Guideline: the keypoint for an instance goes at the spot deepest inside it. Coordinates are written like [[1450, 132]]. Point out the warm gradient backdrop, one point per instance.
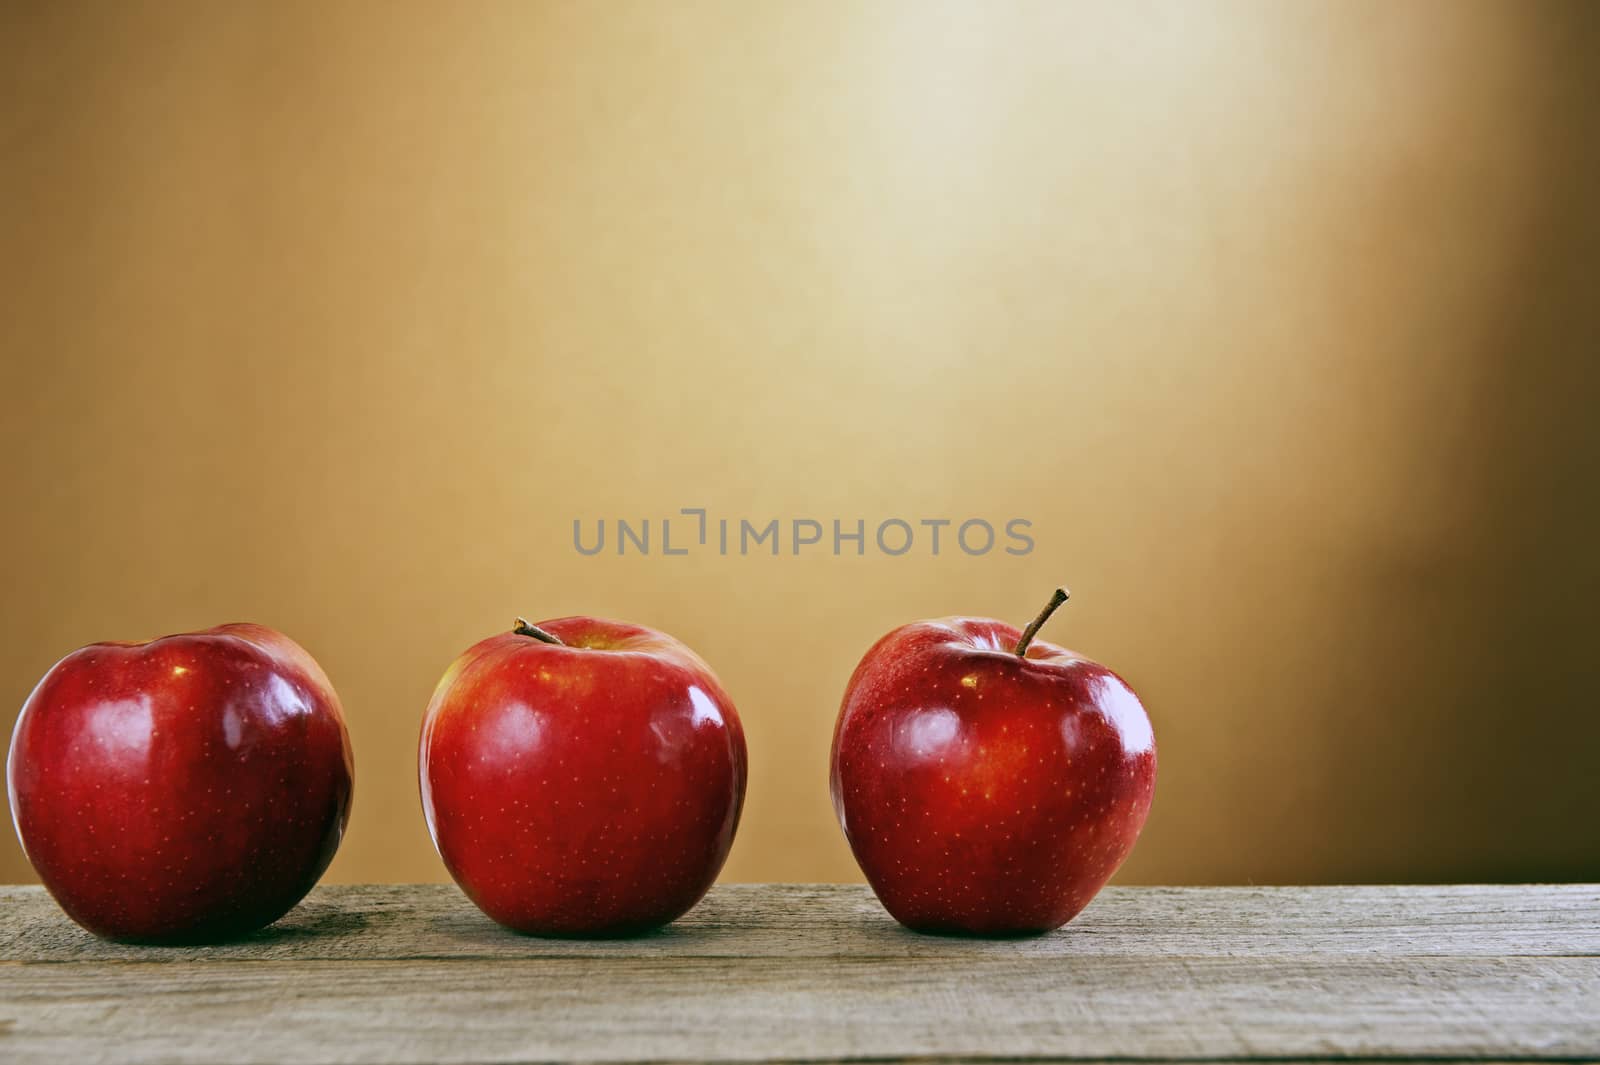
[[1278, 320]]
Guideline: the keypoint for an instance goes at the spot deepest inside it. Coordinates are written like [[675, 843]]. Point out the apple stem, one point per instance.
[[1034, 626], [525, 627]]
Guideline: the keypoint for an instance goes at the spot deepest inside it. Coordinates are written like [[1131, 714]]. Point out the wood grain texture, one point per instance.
[[774, 972]]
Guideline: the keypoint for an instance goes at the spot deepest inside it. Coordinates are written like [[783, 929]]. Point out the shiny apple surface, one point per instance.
[[586, 788], [190, 788], [985, 792]]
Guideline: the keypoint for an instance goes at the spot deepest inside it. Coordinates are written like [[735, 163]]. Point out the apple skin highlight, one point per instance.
[[586, 787], [189, 789], [984, 792]]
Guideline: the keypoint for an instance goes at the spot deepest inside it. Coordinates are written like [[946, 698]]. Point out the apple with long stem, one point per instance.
[[582, 777], [191, 788], [988, 782]]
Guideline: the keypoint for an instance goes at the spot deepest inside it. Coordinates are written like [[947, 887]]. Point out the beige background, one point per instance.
[[1278, 320]]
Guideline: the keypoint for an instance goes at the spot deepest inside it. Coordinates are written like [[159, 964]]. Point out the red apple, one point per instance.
[[988, 783], [582, 777], [190, 788]]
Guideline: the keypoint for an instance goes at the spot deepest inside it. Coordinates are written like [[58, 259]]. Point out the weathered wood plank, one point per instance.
[[630, 1009], [819, 972], [435, 921]]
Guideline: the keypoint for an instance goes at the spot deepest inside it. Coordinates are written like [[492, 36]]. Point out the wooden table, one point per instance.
[[820, 973]]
